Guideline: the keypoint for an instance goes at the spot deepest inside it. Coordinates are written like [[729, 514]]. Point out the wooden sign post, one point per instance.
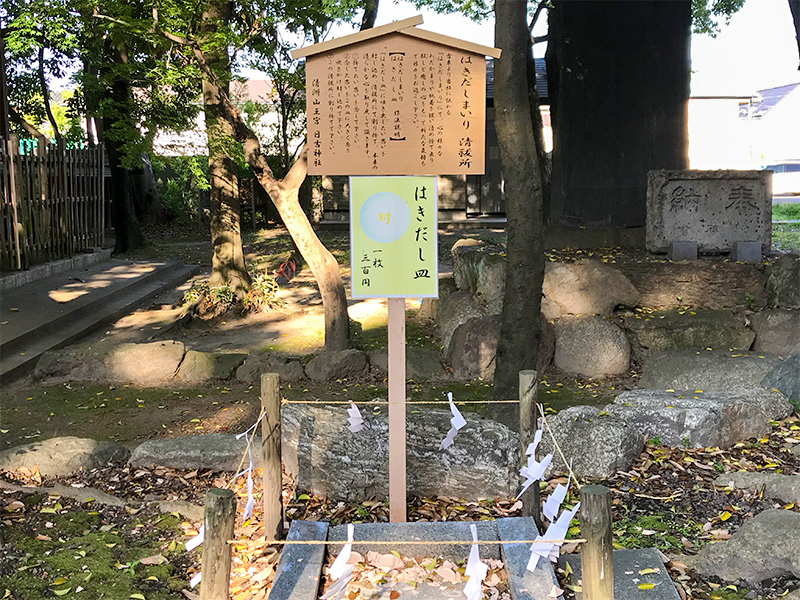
[[395, 100]]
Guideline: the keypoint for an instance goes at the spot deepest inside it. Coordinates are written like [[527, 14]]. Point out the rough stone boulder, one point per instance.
[[707, 370], [344, 364], [64, 455], [289, 370], [777, 331], [197, 366], [679, 330], [786, 378], [698, 283], [700, 420], [322, 455], [599, 446], [783, 282], [144, 364], [585, 288], [218, 451], [467, 254], [766, 546], [76, 363], [422, 364], [785, 488], [473, 348], [491, 286], [459, 308], [429, 307], [591, 347]]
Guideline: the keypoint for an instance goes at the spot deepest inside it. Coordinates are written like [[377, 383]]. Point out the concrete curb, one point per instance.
[[37, 272]]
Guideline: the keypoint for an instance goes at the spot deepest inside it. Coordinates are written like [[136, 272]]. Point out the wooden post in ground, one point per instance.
[[397, 410], [528, 396], [220, 513], [271, 448], [597, 569]]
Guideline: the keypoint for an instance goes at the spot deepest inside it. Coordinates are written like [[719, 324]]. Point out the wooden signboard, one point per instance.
[[396, 100]]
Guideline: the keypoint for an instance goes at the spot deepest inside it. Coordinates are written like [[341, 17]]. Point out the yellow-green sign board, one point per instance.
[[393, 250]]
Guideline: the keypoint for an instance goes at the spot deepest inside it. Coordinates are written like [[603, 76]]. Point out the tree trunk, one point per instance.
[[127, 232], [370, 14], [621, 73], [794, 7], [227, 261], [520, 327], [283, 193], [146, 202]]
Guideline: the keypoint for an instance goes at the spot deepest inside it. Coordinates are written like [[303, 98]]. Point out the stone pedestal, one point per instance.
[[716, 209]]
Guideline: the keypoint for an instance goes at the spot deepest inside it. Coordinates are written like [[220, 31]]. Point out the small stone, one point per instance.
[[422, 364], [777, 331], [145, 364], [783, 282], [344, 364], [198, 367], [682, 251], [786, 378], [747, 252], [288, 369], [216, 451], [588, 287]]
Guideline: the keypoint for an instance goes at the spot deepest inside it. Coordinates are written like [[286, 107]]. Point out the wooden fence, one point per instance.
[[51, 202]]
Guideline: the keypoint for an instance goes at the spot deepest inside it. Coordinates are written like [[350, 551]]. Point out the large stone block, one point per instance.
[[591, 347], [64, 455], [459, 308], [467, 254], [323, 456], [145, 364], [777, 331], [473, 348], [716, 209], [599, 446], [766, 546], [217, 451], [203, 366], [652, 332], [699, 420], [491, 286], [710, 371], [585, 288], [783, 282]]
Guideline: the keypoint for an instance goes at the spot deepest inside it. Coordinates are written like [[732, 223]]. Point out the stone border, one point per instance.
[[37, 272], [302, 583]]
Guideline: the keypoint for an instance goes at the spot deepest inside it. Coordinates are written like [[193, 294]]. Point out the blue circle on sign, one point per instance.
[[384, 217]]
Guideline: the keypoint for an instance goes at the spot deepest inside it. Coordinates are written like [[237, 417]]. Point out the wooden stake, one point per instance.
[[220, 513], [596, 559], [271, 447], [528, 397], [397, 410]]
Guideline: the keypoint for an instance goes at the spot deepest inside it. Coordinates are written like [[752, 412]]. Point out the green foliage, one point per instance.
[[178, 181], [262, 296], [786, 212], [706, 14]]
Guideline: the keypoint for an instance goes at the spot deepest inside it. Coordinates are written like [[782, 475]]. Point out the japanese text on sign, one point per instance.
[[393, 237]]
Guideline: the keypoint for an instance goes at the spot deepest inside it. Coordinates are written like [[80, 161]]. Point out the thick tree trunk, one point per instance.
[[146, 202], [520, 326], [619, 86], [227, 261], [127, 232], [370, 14]]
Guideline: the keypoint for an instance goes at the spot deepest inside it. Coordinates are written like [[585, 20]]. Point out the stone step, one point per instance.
[[49, 317]]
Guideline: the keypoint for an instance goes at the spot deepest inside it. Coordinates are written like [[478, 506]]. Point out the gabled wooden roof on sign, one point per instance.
[[405, 27]]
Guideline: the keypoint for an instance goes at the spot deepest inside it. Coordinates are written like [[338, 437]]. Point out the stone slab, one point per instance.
[[424, 533], [524, 584], [300, 567], [716, 209], [683, 251], [627, 564], [747, 252]]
